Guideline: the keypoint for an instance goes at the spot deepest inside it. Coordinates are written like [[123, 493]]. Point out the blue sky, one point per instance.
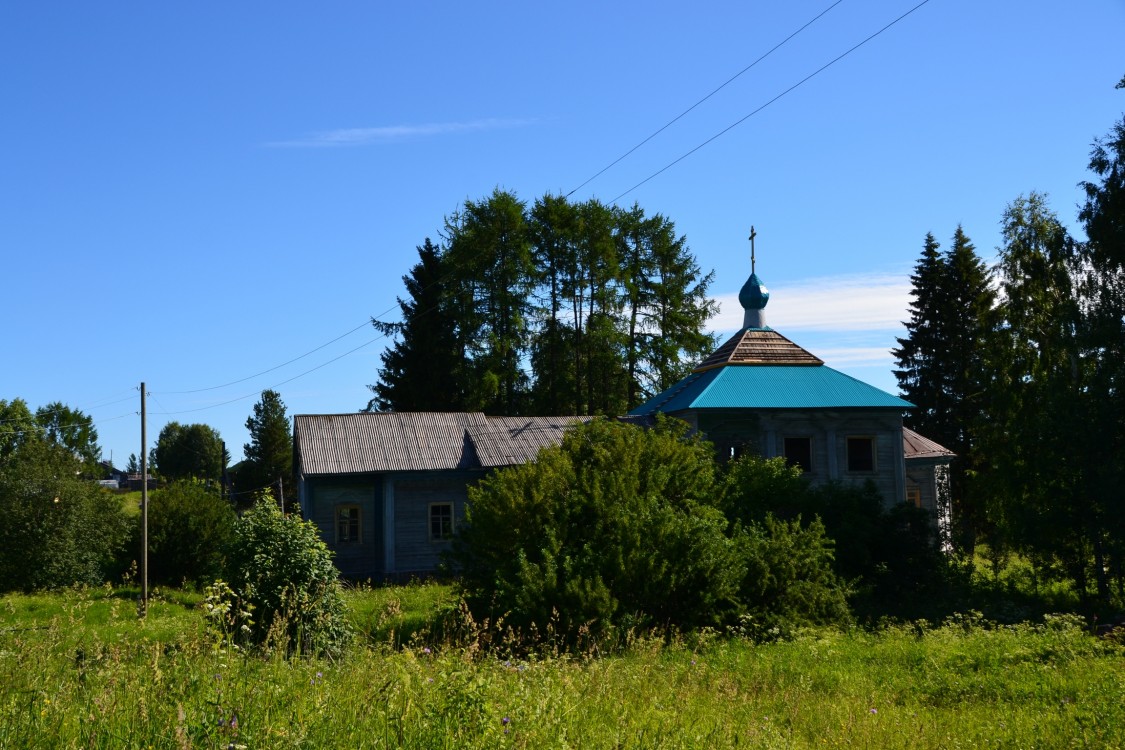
[[215, 198]]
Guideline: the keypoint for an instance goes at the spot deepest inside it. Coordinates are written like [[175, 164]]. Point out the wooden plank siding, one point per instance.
[[356, 560], [415, 552], [765, 431]]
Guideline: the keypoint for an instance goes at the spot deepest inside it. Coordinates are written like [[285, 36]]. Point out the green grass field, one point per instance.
[[79, 669]]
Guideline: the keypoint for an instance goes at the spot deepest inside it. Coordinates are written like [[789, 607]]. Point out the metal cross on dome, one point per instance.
[[753, 234]]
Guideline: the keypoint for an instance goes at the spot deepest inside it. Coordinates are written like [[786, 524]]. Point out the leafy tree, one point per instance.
[[134, 465], [269, 454], [17, 426], [667, 304], [425, 368], [193, 451], [283, 573], [1034, 433], [58, 529], [605, 306], [190, 528], [1103, 338], [490, 259], [72, 430]]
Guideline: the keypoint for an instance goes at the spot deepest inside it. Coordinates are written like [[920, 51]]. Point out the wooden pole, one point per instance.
[[144, 509]]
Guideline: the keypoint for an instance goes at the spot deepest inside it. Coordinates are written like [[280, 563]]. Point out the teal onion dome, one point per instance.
[[754, 294]]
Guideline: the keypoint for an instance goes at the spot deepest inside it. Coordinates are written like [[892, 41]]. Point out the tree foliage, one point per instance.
[[58, 529], [193, 451], [190, 527], [938, 362], [283, 574], [426, 368], [605, 306], [621, 527], [269, 454]]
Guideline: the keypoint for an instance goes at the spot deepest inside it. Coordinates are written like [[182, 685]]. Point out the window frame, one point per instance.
[[874, 454], [914, 496], [356, 521], [806, 467], [443, 536]]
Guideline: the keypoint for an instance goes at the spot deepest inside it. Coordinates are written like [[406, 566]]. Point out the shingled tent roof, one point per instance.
[[758, 346], [363, 443]]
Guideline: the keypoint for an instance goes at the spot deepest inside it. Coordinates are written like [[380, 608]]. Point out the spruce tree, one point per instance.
[[424, 369], [918, 356], [269, 454]]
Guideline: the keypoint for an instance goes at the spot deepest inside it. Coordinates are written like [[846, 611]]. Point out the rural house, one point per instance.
[[388, 490]]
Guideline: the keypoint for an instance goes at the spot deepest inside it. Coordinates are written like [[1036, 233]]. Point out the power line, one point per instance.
[[717, 90], [271, 369], [771, 101]]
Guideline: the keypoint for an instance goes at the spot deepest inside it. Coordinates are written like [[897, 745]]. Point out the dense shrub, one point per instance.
[[621, 527], [790, 582], [56, 529], [190, 527], [283, 574], [615, 528], [889, 554]]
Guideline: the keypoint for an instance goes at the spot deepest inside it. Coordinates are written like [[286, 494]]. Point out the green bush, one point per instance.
[[790, 582], [889, 554], [190, 527], [56, 529], [289, 589], [616, 528]]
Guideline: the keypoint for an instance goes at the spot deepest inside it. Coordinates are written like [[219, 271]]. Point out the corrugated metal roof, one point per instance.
[[506, 441], [365, 443], [770, 387], [758, 346], [916, 446], [395, 441]]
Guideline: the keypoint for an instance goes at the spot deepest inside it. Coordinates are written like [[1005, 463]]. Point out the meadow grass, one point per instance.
[[79, 669]]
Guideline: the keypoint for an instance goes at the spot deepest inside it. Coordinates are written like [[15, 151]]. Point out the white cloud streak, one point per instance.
[[349, 137], [868, 302], [849, 321]]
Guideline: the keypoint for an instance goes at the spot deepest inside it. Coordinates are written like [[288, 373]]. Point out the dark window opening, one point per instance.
[[861, 454], [798, 452]]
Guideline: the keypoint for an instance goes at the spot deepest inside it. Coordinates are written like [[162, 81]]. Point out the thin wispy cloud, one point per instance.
[[855, 302], [350, 137]]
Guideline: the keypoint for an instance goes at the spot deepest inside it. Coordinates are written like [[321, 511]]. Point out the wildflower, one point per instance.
[[426, 650], [874, 711], [505, 721]]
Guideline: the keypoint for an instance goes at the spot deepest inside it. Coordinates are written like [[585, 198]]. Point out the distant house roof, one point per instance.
[[778, 386], [916, 447], [363, 443]]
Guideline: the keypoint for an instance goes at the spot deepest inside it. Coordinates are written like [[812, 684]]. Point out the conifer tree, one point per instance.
[[919, 374], [269, 454], [424, 369]]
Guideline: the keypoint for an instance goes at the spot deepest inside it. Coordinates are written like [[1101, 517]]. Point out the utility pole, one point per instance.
[[144, 509]]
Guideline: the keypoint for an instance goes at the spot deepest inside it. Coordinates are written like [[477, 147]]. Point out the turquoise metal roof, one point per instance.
[[770, 387]]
